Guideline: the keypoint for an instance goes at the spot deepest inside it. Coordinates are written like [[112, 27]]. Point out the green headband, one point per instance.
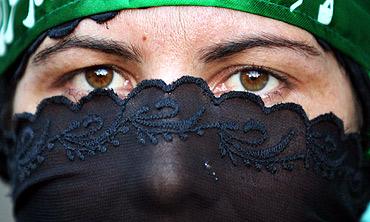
[[345, 24]]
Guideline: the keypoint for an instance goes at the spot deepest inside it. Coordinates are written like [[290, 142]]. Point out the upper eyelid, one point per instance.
[[65, 77], [68, 76], [280, 76]]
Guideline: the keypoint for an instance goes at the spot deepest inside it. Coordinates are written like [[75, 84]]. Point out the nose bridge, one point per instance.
[[170, 64], [169, 70], [169, 54]]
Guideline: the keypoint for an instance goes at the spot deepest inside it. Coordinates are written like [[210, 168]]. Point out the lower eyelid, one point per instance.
[[123, 93], [82, 88], [275, 96], [74, 94]]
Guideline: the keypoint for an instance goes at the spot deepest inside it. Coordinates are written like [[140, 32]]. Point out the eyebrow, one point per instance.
[[120, 49], [226, 49], [209, 54]]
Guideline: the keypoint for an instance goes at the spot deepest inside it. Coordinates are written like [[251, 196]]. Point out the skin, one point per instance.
[[170, 42]]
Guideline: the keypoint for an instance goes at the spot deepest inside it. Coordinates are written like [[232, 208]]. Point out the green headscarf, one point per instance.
[[345, 24]]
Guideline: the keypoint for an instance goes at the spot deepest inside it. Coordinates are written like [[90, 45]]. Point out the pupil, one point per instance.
[[99, 78], [254, 81]]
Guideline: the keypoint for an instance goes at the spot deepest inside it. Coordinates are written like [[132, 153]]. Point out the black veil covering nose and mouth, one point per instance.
[[177, 153]]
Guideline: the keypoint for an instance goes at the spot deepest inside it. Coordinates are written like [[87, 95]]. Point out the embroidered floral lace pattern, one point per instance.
[[243, 142]]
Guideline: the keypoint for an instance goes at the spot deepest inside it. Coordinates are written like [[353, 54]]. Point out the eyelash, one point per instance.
[[262, 69], [285, 82], [66, 77], [271, 97]]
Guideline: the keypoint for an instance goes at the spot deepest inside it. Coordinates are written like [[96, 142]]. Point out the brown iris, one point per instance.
[[253, 80], [99, 77]]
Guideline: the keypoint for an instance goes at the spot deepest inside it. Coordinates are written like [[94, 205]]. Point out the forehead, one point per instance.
[[187, 26]]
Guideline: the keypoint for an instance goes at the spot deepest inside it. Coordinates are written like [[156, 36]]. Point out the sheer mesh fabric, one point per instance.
[[177, 153]]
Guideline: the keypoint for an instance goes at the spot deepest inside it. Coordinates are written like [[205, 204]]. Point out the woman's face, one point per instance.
[[231, 50]]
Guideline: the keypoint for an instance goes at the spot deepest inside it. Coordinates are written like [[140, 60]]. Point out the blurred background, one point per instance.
[[5, 204]]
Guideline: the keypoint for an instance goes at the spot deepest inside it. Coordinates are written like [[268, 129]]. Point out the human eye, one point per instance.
[[80, 82], [270, 85]]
